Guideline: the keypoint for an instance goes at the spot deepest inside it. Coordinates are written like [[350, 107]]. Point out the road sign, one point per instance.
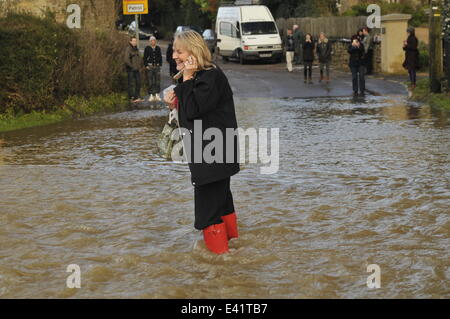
[[135, 6]]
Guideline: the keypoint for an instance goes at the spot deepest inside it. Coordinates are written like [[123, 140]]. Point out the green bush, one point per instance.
[[424, 55], [44, 63], [419, 18], [357, 10], [418, 14], [30, 55]]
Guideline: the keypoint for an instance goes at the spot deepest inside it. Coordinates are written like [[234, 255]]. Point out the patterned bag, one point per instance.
[[170, 140], [169, 136]]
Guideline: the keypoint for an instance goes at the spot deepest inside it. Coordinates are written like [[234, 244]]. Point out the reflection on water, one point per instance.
[[361, 182]]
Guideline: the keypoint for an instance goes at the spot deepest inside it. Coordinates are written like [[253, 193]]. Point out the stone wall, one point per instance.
[[340, 56], [94, 13]]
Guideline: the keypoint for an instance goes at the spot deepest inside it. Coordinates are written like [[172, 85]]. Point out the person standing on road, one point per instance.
[[308, 58], [356, 64], [290, 49], [170, 60], [298, 42], [133, 65], [204, 100], [153, 63], [411, 62], [368, 47], [324, 54]]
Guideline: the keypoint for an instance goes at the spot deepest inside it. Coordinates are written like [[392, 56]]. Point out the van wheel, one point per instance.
[[241, 57]]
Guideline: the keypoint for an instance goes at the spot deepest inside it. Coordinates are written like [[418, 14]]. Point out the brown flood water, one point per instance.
[[359, 183]]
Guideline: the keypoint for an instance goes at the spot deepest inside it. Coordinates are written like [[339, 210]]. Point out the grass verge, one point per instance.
[[436, 100], [73, 107]]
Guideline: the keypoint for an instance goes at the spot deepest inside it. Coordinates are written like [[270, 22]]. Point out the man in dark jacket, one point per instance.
[[298, 42], [356, 64], [290, 49], [153, 63], [324, 54], [169, 58], [368, 48], [133, 62]]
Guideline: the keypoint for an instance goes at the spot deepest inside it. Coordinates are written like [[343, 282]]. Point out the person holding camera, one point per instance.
[[308, 58], [357, 65]]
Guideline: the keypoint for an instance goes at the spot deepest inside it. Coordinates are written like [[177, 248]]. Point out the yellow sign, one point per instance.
[[135, 6]]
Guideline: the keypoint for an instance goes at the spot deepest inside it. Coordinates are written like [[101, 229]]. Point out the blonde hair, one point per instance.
[[194, 43]]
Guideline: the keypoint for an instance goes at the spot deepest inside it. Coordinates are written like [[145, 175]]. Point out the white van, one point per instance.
[[247, 33]]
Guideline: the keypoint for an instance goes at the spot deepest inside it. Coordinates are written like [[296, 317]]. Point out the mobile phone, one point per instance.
[[190, 59]]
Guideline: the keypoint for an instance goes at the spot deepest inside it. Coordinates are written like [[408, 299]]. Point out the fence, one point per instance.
[[447, 64], [334, 27]]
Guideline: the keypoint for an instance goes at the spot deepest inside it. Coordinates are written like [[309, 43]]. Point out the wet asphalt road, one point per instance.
[[261, 79]]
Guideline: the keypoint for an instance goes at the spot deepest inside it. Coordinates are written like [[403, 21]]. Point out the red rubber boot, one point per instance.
[[230, 221], [215, 237]]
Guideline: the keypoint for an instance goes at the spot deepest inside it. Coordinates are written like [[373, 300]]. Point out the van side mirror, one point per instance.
[[238, 33]]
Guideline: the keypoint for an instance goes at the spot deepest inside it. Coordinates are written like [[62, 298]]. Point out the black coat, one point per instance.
[[152, 57], [324, 51], [411, 54], [289, 43], [208, 97], [357, 56], [308, 51]]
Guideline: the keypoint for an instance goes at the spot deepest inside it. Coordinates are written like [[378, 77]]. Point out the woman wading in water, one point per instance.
[[204, 95]]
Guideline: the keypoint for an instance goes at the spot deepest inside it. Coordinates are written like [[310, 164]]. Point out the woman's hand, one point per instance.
[[190, 67], [169, 99]]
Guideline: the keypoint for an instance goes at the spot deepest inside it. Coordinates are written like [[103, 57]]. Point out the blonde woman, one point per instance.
[[204, 97]]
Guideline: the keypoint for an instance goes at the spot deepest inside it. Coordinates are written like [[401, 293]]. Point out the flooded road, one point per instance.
[[360, 182]]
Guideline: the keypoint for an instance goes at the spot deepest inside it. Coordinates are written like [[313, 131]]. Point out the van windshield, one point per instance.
[[251, 28]]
